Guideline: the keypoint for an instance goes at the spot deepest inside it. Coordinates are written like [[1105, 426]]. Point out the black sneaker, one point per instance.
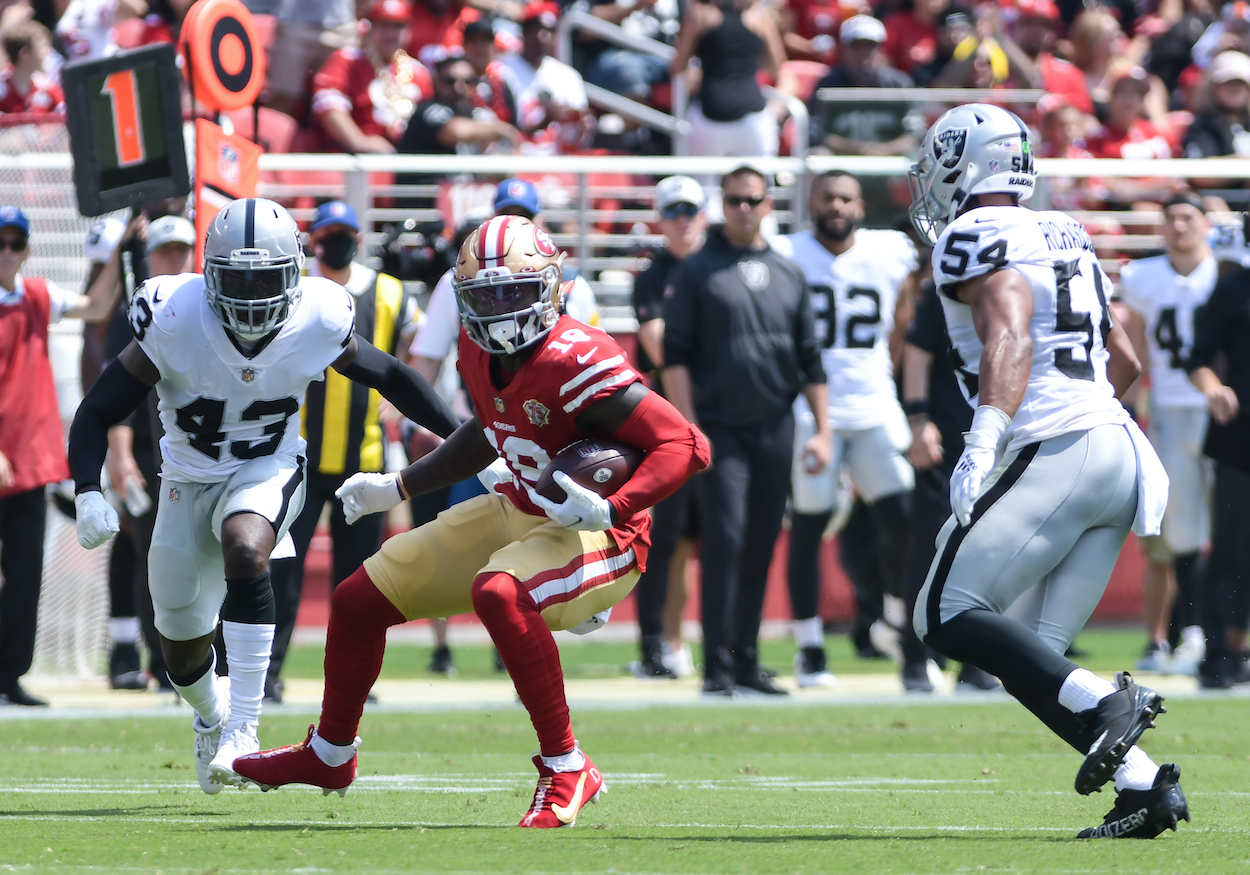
[[916, 678], [1143, 814], [1118, 721], [720, 684], [650, 665], [273, 691], [15, 695], [758, 681], [125, 671], [973, 679], [441, 663]]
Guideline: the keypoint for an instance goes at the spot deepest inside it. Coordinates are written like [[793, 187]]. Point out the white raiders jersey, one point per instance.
[[853, 298], [1167, 301], [218, 407], [1068, 389]]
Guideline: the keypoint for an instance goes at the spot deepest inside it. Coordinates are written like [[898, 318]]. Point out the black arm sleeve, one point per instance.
[[402, 386], [112, 398]]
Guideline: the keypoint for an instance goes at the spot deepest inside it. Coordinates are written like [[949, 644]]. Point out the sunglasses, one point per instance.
[[682, 211], [735, 201], [17, 244]]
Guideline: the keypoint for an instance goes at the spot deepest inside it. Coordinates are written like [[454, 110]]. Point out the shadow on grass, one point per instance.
[[355, 827], [129, 811]]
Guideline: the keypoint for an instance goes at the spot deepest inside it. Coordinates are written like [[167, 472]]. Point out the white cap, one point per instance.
[[170, 229], [863, 27], [102, 239], [678, 190], [1230, 65]]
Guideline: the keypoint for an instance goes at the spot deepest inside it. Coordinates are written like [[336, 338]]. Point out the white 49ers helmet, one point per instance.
[[507, 283], [972, 149]]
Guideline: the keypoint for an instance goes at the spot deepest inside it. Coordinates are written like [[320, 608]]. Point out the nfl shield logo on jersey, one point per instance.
[[248, 375], [754, 274], [499, 404], [174, 494], [536, 411]]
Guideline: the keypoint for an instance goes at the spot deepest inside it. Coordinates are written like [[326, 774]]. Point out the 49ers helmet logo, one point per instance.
[[546, 246]]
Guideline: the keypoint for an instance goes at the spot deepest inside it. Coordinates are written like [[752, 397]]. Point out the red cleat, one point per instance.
[[561, 795], [296, 764]]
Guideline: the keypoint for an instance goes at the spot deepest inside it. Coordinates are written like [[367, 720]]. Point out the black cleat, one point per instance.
[[916, 678], [1143, 814], [757, 681], [442, 663], [650, 665], [1118, 721], [718, 684], [973, 679]]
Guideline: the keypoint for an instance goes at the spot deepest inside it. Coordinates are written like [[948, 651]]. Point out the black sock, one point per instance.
[[803, 576]]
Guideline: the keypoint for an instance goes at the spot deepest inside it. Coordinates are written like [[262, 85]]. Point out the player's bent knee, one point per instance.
[[249, 600], [357, 600], [494, 592]]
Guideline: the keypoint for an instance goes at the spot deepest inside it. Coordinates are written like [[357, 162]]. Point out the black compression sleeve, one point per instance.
[[112, 398], [402, 386]]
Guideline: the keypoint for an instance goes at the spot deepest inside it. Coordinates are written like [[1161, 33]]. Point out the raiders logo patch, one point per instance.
[[948, 146], [536, 411], [754, 274]]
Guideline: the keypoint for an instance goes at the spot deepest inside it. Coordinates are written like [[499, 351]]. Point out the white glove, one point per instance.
[[581, 511], [95, 519], [364, 494], [495, 473], [978, 461], [592, 623]]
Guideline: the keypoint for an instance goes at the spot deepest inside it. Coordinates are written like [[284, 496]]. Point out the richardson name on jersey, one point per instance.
[[1063, 236]]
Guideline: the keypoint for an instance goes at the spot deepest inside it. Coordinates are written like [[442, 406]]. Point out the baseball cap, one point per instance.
[[678, 190], [517, 193], [390, 10], [335, 213], [545, 13], [1229, 66], [13, 217], [102, 239], [1037, 9], [863, 27], [479, 28], [170, 229]]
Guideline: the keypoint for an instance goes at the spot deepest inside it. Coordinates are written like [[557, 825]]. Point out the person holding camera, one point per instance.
[[340, 422]]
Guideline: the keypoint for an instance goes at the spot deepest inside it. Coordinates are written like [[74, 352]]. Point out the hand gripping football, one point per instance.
[[602, 465]]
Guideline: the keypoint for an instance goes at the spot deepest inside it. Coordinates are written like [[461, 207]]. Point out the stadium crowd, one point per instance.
[[1121, 79]]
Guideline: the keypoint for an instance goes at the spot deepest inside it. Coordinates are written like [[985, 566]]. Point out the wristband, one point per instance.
[[399, 484], [989, 424], [917, 407]]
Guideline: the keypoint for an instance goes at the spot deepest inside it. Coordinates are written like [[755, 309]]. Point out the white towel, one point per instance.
[[1152, 484]]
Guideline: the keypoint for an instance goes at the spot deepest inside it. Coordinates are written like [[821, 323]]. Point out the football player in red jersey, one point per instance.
[[538, 381]]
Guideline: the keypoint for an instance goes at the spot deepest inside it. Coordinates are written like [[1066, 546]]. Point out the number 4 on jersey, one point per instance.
[[201, 422]]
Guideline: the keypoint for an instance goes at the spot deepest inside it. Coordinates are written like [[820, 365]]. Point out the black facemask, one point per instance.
[[337, 250]]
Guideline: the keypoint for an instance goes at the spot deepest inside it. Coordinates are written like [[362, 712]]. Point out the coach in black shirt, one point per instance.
[[1222, 329], [739, 346]]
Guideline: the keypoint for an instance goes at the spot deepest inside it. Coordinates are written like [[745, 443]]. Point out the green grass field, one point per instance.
[[751, 788]]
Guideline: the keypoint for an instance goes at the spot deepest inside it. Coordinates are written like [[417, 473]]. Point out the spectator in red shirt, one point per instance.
[[911, 36], [363, 98], [24, 86], [1062, 130], [1033, 30], [1127, 134]]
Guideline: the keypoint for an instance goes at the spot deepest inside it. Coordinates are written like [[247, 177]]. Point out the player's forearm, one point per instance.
[[1004, 372], [458, 458], [113, 397], [402, 386], [678, 390], [916, 365], [101, 298], [817, 395], [1205, 381], [1123, 366]]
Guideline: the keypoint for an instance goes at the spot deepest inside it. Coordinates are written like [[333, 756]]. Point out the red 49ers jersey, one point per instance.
[[532, 418]]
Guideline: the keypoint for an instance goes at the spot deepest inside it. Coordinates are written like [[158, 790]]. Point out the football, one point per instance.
[[601, 465]]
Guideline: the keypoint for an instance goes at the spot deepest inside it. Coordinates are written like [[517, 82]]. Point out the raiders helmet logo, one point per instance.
[[754, 274], [536, 411], [948, 146]]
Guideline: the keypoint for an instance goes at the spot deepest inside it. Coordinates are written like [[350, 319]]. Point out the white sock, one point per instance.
[[1137, 772], [569, 762], [1083, 690], [894, 611], [809, 633], [124, 630], [202, 695], [333, 754], [1194, 637], [247, 651]]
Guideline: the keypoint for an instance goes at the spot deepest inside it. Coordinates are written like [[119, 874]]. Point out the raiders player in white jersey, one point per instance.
[[1162, 293], [857, 279], [230, 354], [1054, 473]]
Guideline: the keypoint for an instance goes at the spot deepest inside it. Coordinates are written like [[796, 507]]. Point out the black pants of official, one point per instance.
[[931, 508], [350, 546], [742, 499], [1225, 599], [23, 517], [671, 520]]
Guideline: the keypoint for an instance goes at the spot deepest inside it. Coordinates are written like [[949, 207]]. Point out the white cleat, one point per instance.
[[236, 741], [810, 670], [680, 662], [208, 738]]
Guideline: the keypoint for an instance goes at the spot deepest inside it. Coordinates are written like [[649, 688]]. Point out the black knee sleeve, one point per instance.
[[249, 600], [803, 575]]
